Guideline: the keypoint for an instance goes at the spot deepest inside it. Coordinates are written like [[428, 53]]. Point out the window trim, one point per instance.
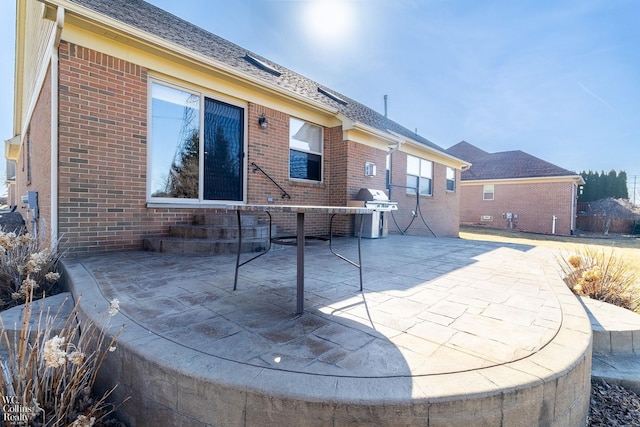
[[420, 176], [321, 153], [200, 201], [485, 187], [448, 180]]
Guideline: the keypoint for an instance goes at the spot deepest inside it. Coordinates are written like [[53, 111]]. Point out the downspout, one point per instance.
[[574, 207], [391, 150], [54, 127]]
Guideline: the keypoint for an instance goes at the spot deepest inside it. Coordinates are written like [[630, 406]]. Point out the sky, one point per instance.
[[557, 79]]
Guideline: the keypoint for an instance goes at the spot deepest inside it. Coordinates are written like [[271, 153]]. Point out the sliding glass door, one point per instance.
[[196, 150], [223, 150]]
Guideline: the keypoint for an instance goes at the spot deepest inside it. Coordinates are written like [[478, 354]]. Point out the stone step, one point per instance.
[[616, 343], [615, 330], [196, 231], [179, 245], [620, 369], [228, 219], [213, 233]]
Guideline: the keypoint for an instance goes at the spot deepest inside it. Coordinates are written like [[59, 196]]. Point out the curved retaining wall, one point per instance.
[[169, 385]]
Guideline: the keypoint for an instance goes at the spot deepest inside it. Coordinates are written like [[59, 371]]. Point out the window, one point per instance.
[[451, 179], [487, 192], [305, 150], [196, 147], [419, 176]]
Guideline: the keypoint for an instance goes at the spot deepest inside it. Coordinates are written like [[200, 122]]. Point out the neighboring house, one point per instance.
[[128, 119], [515, 190]]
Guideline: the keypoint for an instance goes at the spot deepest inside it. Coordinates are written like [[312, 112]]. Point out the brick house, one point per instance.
[[128, 119], [515, 190]]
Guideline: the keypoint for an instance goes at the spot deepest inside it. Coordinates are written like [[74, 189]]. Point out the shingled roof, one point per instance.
[[504, 165], [160, 23]]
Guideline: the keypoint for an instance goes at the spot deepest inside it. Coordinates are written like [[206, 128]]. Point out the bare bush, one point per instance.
[[21, 256], [602, 275], [50, 369]]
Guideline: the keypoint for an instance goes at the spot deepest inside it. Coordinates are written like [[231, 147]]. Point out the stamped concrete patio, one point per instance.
[[447, 332]]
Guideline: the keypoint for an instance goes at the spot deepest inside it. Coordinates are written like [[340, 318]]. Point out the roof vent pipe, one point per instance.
[[385, 105]]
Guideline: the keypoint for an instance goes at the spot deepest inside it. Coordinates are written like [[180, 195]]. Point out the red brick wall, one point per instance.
[[36, 155], [343, 175], [102, 154], [438, 213], [535, 205], [269, 149]]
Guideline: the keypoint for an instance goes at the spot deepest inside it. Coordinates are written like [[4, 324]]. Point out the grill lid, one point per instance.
[[368, 194]]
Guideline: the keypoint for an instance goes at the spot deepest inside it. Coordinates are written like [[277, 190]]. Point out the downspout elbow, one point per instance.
[[394, 148], [59, 27]]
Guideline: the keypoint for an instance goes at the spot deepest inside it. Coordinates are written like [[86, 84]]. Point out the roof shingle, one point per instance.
[[504, 165], [158, 22]]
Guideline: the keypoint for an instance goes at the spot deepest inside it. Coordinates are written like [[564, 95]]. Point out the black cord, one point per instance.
[[418, 211]]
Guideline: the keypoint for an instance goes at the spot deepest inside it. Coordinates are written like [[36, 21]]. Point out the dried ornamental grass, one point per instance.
[[21, 255], [602, 275], [47, 379]]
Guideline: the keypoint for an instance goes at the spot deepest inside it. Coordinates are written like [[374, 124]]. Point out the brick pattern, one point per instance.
[[103, 161], [102, 154], [343, 175], [535, 205], [438, 213], [36, 156]]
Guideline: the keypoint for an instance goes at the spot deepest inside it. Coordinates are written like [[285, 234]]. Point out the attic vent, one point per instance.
[[332, 96], [262, 65]]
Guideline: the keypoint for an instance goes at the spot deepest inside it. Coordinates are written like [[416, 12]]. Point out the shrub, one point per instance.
[[51, 368], [22, 255], [602, 275]]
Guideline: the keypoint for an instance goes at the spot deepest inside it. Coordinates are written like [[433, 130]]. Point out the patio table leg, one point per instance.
[[300, 243], [239, 251], [235, 279], [358, 264]]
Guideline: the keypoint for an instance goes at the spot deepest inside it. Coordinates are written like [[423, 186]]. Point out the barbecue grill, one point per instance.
[[375, 225]]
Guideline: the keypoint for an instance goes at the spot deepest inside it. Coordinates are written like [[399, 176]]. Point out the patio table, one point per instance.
[[300, 240]]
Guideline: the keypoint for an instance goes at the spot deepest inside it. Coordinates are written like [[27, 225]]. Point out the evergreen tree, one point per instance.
[[610, 185], [623, 191], [184, 174], [602, 185]]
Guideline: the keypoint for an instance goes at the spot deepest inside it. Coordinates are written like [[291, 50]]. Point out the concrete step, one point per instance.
[[213, 233], [616, 343], [62, 304], [620, 369], [228, 219], [197, 231], [180, 245], [615, 329]]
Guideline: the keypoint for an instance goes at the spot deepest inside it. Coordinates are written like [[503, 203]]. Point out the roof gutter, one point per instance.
[[143, 38], [349, 124], [463, 164], [575, 178]]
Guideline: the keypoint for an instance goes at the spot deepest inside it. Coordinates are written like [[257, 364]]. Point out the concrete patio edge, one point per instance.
[[167, 382]]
